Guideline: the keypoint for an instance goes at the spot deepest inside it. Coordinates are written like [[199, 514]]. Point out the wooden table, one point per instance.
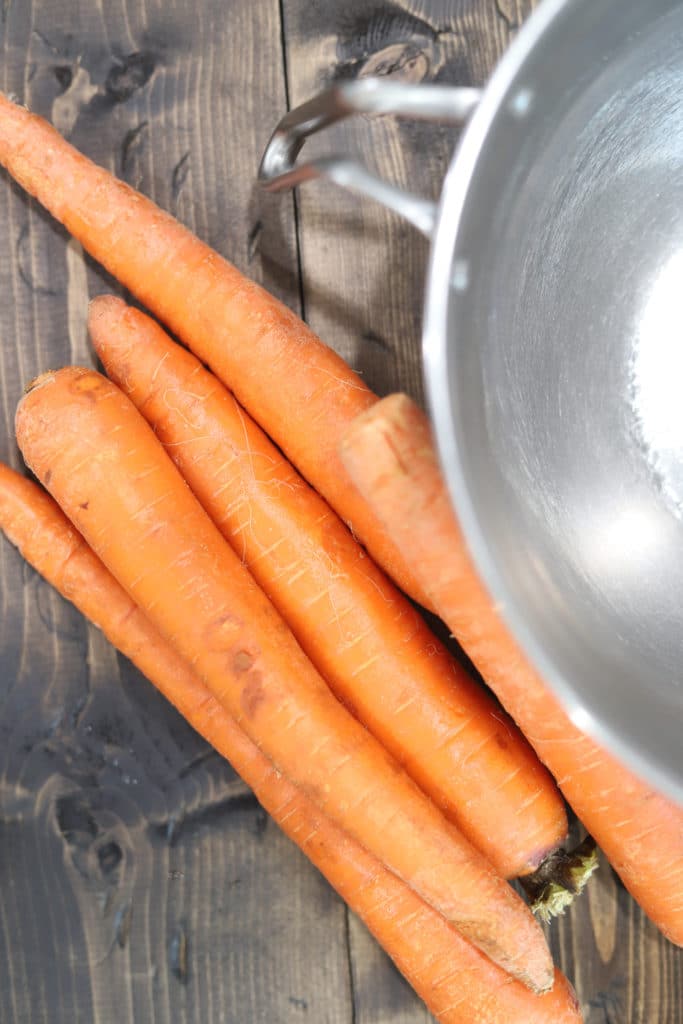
[[139, 880]]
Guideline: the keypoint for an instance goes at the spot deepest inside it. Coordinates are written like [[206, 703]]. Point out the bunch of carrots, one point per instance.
[[247, 534]]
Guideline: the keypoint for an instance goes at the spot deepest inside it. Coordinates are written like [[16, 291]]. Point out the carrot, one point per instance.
[[90, 447], [372, 647], [391, 456], [301, 392], [457, 983]]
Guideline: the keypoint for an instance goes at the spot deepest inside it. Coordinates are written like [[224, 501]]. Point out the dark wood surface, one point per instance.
[[139, 879]]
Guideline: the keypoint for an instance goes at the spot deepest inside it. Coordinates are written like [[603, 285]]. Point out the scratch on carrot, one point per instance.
[[194, 586], [224, 487], [87, 459], [143, 474], [159, 365], [235, 504], [529, 801], [269, 551], [297, 576], [508, 779], [498, 715], [225, 465], [167, 399], [143, 575], [150, 505], [345, 385], [405, 705], [247, 449], [184, 442], [366, 664], [387, 598], [358, 638]]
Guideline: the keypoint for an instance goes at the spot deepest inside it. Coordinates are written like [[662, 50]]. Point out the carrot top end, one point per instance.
[[40, 381], [562, 877]]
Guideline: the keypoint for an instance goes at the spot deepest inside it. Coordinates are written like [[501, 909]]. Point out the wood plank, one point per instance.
[[139, 880], [363, 267], [363, 275], [380, 993]]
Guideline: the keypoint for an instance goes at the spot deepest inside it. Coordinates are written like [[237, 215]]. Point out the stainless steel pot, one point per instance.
[[553, 347]]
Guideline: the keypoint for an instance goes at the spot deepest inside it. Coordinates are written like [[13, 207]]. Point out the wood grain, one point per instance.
[[363, 267], [139, 879], [362, 273]]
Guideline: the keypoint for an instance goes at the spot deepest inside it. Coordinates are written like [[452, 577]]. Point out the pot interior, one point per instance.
[[564, 328]]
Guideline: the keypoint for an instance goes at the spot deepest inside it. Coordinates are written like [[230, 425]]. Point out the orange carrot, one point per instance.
[[364, 637], [90, 447], [294, 385], [457, 983], [391, 456]]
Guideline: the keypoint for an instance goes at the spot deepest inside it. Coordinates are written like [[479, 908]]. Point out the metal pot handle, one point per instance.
[[279, 169]]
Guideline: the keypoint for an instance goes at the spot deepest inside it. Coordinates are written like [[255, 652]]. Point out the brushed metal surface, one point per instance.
[[554, 367]]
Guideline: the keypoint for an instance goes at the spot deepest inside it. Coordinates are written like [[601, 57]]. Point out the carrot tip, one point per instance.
[[534, 984], [104, 300], [40, 381], [548, 986]]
